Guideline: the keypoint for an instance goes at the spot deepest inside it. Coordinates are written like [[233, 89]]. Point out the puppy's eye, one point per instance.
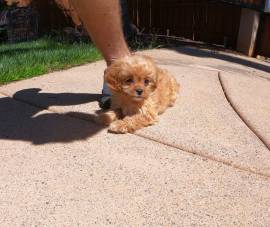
[[146, 82], [129, 81]]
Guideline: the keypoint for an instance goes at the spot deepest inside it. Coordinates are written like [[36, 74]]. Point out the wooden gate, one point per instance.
[[201, 20]]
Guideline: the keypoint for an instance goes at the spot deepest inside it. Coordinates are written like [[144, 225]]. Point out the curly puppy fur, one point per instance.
[[140, 92]]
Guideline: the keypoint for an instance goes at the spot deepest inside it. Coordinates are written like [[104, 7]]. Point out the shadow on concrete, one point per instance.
[[208, 53], [20, 121], [45, 100]]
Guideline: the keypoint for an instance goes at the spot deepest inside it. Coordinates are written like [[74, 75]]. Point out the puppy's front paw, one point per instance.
[[119, 127], [106, 118]]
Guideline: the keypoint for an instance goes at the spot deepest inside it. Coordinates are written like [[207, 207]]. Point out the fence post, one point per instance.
[[248, 30]]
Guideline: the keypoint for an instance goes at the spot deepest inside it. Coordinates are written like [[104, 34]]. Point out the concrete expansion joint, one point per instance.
[[240, 115], [201, 154]]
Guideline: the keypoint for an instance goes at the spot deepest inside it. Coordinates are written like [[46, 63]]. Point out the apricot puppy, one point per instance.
[[140, 92]]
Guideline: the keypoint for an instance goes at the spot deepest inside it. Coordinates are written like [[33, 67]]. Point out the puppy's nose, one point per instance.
[[139, 91]]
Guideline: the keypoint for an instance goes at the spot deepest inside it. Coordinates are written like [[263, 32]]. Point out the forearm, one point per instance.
[[102, 19]]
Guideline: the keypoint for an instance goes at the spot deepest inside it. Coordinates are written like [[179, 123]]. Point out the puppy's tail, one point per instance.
[[175, 89], [177, 86]]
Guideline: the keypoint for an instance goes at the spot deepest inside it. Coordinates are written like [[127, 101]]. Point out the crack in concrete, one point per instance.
[[201, 154], [240, 115]]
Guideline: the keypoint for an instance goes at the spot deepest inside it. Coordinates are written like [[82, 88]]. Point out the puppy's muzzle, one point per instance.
[[139, 91]]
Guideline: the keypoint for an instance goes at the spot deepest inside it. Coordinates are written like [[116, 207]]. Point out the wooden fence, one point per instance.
[[201, 20]]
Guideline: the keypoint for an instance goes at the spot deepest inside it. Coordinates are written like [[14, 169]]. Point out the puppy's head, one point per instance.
[[134, 76]]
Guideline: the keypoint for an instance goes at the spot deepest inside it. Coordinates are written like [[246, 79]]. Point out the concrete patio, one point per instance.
[[206, 163]]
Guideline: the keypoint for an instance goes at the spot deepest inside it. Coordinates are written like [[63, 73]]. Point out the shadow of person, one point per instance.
[[45, 100], [20, 121]]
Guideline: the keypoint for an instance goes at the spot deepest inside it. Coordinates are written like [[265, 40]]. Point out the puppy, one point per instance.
[[140, 92]]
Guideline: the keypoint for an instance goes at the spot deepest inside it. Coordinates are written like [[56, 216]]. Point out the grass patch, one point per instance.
[[144, 42], [29, 59]]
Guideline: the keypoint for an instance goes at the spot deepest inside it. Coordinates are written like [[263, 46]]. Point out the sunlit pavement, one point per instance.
[[206, 163]]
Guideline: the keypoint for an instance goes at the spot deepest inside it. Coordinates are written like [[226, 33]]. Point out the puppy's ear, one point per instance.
[[111, 77]]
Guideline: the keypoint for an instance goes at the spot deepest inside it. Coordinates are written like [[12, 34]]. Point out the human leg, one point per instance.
[[102, 19]]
